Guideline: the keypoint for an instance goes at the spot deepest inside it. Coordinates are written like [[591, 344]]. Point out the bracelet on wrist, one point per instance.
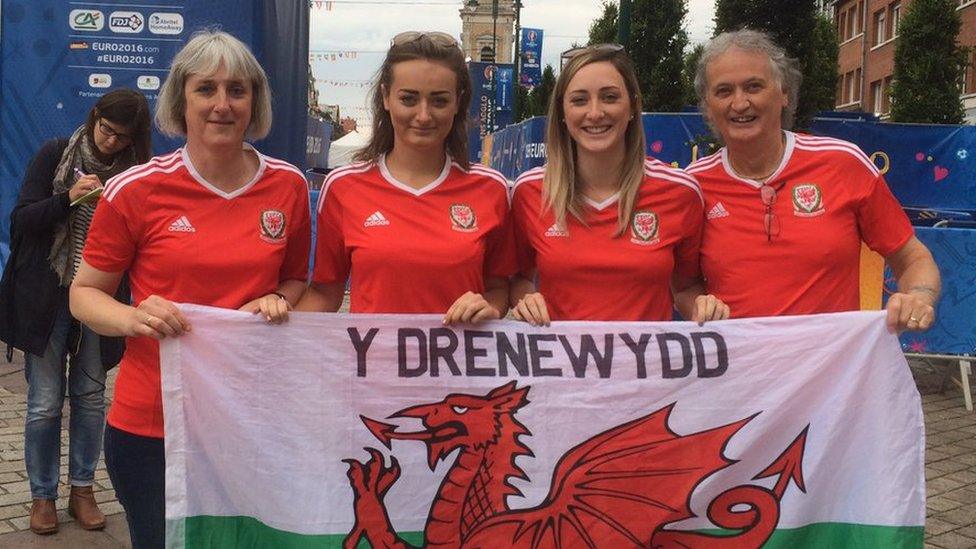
[[281, 296]]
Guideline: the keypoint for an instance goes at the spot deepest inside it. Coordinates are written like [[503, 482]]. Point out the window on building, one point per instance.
[[880, 32], [876, 97], [895, 18], [857, 85], [851, 84], [886, 95], [842, 26], [487, 55]]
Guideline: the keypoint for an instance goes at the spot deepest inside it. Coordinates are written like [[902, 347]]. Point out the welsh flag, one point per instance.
[[392, 431]]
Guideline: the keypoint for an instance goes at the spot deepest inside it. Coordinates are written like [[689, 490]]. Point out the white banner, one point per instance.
[[333, 428]]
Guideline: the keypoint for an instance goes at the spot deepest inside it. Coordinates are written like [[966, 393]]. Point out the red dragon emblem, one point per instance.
[[620, 488]]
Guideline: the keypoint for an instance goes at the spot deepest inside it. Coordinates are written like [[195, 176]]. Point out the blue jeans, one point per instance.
[[137, 467], [46, 383]]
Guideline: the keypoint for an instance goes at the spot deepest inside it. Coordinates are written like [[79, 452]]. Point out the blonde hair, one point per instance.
[[559, 185], [206, 51]]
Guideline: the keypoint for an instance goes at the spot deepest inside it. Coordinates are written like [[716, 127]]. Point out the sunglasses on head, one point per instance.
[[438, 38], [608, 47]]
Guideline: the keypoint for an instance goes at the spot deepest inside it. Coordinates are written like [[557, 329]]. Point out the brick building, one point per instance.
[[867, 31]]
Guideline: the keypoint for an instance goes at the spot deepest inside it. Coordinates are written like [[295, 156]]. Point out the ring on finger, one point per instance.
[[148, 321], [913, 318]]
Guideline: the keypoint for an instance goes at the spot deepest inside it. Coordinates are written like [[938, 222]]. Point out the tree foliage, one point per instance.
[[656, 46], [820, 78], [928, 65], [794, 25], [537, 100], [691, 65], [603, 30]]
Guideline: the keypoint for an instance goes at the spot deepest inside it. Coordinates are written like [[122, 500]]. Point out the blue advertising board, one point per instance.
[[317, 143], [530, 71], [671, 138], [60, 57], [491, 102], [925, 165]]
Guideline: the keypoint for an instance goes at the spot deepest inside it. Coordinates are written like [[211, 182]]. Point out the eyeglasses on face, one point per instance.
[[608, 47], [770, 221], [439, 38], [108, 132]]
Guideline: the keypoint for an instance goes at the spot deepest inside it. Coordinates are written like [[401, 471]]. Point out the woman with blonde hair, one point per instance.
[[416, 226], [608, 233], [214, 223]]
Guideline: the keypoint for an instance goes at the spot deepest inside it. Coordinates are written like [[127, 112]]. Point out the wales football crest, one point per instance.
[[807, 200], [644, 228]]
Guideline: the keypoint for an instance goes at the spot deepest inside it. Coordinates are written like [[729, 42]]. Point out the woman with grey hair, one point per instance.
[[798, 254], [214, 210]]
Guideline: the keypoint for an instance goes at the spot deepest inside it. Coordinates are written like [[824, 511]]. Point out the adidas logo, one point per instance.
[[556, 231], [182, 225], [377, 218], [717, 211]]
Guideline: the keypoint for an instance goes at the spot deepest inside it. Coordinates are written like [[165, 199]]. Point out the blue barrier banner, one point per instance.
[[674, 138], [60, 57], [925, 165], [954, 331], [530, 44]]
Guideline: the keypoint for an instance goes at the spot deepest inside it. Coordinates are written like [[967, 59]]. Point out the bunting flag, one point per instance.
[[333, 430]]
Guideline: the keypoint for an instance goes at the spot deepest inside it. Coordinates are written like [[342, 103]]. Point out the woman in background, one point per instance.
[[48, 229]]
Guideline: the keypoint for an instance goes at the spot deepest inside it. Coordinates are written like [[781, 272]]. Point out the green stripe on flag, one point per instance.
[[205, 531]]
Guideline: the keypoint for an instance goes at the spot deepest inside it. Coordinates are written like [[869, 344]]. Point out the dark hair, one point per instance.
[[381, 142], [127, 108]]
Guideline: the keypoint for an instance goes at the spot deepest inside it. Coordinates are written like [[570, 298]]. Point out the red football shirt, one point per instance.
[[181, 238], [412, 250], [587, 273], [829, 197]]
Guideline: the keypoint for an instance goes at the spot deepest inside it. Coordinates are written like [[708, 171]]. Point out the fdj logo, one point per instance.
[[128, 22], [86, 20]]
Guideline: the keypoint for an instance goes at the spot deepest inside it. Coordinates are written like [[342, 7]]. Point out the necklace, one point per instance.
[[763, 178]]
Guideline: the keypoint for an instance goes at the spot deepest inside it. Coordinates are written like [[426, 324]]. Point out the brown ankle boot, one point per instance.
[[82, 507], [43, 517]]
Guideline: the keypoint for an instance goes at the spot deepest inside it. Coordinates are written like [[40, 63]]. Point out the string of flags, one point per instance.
[[345, 83], [332, 55]]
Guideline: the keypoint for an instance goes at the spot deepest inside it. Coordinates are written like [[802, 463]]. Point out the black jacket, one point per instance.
[[30, 293]]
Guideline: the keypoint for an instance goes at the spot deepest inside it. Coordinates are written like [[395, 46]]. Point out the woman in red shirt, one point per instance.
[[607, 233], [414, 226], [214, 223]]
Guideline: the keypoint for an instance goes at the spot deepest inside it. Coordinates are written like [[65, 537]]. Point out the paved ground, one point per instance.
[[950, 472]]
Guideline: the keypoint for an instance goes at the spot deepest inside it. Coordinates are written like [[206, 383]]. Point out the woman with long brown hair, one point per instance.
[[606, 232], [417, 227]]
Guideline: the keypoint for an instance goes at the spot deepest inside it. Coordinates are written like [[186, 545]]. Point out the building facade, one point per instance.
[[867, 31], [488, 30]]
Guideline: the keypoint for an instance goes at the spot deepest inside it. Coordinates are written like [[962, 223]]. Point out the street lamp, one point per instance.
[[517, 60]]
